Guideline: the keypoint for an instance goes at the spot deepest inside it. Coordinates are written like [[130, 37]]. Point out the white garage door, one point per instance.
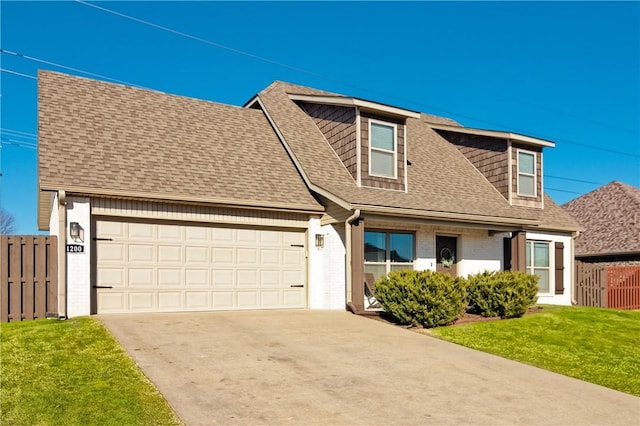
[[150, 267]]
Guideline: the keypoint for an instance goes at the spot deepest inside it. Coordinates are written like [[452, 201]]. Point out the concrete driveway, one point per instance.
[[319, 367]]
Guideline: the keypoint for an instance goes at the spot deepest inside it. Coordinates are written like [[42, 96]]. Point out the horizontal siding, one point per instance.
[[192, 213]]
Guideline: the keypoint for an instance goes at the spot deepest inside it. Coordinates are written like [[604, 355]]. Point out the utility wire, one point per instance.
[[573, 180], [563, 190], [19, 143], [42, 61], [17, 73], [4, 129]]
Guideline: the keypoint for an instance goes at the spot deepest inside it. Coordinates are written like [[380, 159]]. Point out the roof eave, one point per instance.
[[234, 203], [355, 102], [523, 139]]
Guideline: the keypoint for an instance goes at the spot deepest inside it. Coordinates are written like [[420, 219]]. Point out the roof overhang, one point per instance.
[[527, 140], [169, 198], [493, 222], [355, 102]]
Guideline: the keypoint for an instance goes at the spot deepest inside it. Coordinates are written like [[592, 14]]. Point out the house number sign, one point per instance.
[[75, 248]]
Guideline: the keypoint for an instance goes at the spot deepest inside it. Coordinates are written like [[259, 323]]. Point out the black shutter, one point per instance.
[[559, 261]]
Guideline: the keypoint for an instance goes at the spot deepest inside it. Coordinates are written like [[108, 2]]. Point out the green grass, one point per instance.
[[73, 373], [600, 346]]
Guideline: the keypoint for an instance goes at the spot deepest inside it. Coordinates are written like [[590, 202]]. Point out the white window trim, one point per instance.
[[394, 152], [388, 263], [530, 268], [535, 172]]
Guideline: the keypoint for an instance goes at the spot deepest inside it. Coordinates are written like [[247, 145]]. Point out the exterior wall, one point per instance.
[[477, 251], [79, 264], [516, 199], [375, 181], [337, 124], [327, 275], [488, 155], [54, 227], [566, 297]]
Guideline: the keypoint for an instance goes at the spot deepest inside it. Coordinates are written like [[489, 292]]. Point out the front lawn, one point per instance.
[[601, 346], [73, 372]]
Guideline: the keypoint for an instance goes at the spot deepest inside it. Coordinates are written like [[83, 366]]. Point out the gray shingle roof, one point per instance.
[[123, 140], [441, 180], [611, 218]]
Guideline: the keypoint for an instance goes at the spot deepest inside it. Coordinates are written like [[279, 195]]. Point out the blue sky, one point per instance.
[[568, 72]]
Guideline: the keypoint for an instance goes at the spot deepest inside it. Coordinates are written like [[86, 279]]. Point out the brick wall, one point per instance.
[[327, 275], [79, 264]]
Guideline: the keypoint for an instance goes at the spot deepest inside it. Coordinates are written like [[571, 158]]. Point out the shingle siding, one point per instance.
[[338, 125], [520, 200], [488, 155], [397, 184]]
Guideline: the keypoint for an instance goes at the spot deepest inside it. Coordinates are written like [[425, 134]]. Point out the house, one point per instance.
[[610, 216], [164, 203]]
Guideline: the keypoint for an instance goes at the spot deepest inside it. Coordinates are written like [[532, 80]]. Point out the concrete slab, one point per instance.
[[319, 367]]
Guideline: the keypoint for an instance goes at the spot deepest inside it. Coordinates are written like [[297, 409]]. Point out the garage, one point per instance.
[[144, 266]]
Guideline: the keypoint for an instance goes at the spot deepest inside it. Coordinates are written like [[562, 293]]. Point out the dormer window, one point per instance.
[[383, 149], [526, 173]]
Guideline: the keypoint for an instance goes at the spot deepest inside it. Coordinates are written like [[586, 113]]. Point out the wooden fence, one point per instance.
[[616, 287], [28, 277]]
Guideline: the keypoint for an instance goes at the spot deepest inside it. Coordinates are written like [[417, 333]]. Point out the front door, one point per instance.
[[446, 256]]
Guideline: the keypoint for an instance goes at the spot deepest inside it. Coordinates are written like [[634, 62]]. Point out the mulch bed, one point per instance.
[[464, 318]]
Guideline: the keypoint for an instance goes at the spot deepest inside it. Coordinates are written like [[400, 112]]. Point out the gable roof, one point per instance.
[[611, 218], [102, 138], [442, 183]]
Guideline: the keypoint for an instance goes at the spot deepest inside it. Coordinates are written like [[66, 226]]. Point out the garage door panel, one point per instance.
[[141, 277], [196, 300], [170, 278], [113, 252], [141, 301], [140, 253], [169, 301], [113, 277], [173, 267], [170, 254], [140, 231], [196, 255]]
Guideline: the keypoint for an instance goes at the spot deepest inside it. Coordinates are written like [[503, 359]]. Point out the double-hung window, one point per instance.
[[527, 173], [383, 149], [386, 251], [537, 258]]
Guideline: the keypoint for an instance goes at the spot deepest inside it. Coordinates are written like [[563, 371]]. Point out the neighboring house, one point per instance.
[[610, 216], [164, 203]]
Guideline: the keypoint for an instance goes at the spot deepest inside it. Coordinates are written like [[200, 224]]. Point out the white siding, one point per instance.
[[193, 213], [327, 276], [79, 264]]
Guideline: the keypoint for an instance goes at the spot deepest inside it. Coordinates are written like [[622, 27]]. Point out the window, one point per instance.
[[527, 173], [382, 149], [537, 258], [387, 251]]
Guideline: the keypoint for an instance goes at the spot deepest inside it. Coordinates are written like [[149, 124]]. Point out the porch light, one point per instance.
[[74, 231], [320, 241]]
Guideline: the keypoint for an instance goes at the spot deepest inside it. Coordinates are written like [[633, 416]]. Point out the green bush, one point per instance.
[[424, 298], [505, 294]]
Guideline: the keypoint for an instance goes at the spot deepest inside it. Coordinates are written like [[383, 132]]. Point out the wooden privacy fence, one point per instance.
[[616, 287], [28, 277]]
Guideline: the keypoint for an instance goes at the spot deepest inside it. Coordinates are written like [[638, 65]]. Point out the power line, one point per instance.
[[42, 61], [4, 129], [19, 143], [563, 190], [573, 180], [17, 73]]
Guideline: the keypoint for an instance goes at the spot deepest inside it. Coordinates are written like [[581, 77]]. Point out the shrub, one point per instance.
[[505, 294], [424, 298]]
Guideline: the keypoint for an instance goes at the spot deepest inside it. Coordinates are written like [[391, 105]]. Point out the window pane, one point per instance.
[[543, 284], [382, 163], [378, 271], [541, 254], [528, 254], [526, 163], [401, 247], [382, 137], [375, 246], [401, 267], [526, 185]]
